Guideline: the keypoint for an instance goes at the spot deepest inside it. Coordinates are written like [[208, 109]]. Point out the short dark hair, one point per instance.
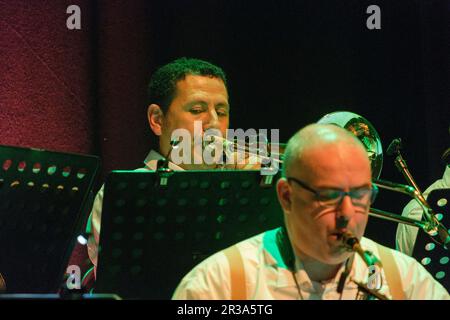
[[163, 84]]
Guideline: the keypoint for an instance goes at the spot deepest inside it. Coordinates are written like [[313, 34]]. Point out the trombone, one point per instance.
[[369, 137]]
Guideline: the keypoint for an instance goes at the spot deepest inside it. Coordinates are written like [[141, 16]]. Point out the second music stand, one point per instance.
[[155, 227]]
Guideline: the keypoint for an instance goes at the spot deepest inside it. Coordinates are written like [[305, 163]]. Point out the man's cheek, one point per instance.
[[361, 226]]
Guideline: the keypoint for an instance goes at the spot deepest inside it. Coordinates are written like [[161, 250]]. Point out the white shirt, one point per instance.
[[267, 277], [94, 222], [406, 235]]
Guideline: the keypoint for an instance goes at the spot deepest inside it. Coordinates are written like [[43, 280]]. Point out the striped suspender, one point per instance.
[[391, 272], [237, 273], [238, 284]]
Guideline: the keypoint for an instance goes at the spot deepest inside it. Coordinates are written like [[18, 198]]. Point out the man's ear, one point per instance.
[[284, 194], [155, 118]]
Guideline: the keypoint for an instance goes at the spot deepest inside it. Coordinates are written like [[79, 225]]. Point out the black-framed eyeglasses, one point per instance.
[[330, 197]]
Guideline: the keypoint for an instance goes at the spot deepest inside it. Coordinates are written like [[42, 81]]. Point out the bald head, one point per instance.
[[318, 137], [319, 158]]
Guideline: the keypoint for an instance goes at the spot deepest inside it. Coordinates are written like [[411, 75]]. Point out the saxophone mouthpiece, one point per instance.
[[349, 240]]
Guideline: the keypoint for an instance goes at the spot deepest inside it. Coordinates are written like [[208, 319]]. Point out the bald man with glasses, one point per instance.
[[325, 193]]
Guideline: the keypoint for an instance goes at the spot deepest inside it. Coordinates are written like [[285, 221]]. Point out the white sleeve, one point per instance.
[[406, 235], [210, 280], [417, 282]]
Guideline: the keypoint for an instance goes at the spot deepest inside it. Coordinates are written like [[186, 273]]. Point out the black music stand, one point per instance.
[[43, 202], [434, 257], [155, 227]]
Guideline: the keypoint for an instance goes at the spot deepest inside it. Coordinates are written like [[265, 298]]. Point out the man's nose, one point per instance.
[[211, 120], [346, 209]]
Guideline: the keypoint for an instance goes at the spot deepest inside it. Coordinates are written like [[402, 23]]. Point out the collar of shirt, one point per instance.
[[318, 287], [151, 161], [283, 277]]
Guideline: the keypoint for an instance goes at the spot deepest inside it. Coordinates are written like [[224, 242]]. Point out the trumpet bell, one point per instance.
[[364, 131]]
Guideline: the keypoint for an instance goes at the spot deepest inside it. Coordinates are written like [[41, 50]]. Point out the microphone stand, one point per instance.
[[162, 166]]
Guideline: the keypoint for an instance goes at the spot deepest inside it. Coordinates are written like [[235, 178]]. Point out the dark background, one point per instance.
[[288, 64]]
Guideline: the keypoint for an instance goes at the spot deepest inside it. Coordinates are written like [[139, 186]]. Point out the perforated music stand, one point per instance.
[[42, 205], [434, 257], [155, 228]]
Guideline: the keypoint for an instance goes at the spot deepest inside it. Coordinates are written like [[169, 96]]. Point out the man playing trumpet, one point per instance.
[[189, 96]]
